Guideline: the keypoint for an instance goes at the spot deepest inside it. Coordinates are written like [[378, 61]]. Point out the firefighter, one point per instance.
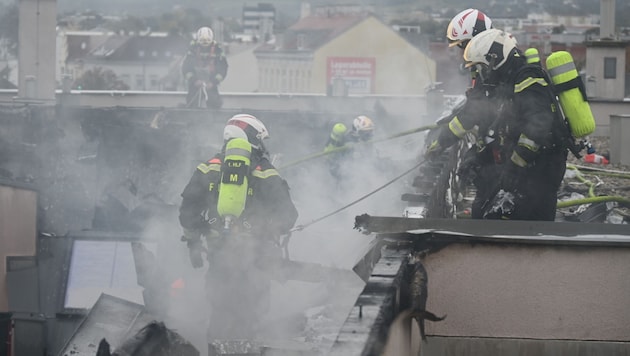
[[241, 205], [477, 112], [204, 67], [268, 209], [338, 139], [532, 154]]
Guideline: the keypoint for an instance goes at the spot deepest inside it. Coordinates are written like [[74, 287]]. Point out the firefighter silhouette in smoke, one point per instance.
[[341, 157], [204, 67], [241, 206], [530, 133], [478, 111]]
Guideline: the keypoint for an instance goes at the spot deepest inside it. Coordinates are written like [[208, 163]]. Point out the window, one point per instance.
[[101, 267], [126, 78], [610, 68], [301, 41], [139, 81]]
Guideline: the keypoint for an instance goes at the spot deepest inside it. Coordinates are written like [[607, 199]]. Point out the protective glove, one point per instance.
[[508, 198], [195, 252], [195, 248], [501, 206], [469, 167], [433, 151]]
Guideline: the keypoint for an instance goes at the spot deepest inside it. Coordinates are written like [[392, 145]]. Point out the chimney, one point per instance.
[[607, 19]]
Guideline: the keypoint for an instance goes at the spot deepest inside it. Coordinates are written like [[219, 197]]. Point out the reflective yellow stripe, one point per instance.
[[527, 83], [205, 168], [518, 160], [237, 152], [434, 146], [528, 143], [456, 127], [265, 174]]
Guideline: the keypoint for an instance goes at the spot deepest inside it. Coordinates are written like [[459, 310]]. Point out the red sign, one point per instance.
[[356, 72]]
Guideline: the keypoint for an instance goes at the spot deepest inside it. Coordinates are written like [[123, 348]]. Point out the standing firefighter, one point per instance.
[[204, 68], [240, 204], [530, 130], [337, 150], [478, 111]]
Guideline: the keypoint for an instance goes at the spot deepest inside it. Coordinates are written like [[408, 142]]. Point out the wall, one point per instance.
[[371, 38], [18, 215], [597, 86], [603, 109], [38, 20], [530, 292]]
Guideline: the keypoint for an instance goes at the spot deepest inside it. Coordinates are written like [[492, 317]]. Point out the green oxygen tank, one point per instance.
[[571, 93], [532, 56], [233, 185]]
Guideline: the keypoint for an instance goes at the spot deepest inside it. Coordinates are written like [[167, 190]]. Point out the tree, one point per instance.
[[100, 79]]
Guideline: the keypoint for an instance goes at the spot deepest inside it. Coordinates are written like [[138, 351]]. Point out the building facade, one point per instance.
[[357, 49]]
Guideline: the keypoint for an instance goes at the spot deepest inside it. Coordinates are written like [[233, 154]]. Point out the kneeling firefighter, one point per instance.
[[241, 205]]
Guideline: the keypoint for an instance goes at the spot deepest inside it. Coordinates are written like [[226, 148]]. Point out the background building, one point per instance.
[[355, 47], [258, 20]]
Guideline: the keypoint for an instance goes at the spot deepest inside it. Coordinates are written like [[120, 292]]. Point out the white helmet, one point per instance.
[[362, 123], [491, 48], [465, 25], [247, 127], [205, 36], [363, 127]]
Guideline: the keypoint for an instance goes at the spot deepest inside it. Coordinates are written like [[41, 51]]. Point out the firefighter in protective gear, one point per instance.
[[242, 206], [532, 154], [339, 137], [204, 67], [475, 116], [268, 211]]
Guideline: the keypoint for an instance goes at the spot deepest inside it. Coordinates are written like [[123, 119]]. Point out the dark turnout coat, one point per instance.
[[269, 209]]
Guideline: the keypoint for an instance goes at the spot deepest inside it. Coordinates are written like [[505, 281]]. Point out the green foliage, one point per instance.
[[99, 79]]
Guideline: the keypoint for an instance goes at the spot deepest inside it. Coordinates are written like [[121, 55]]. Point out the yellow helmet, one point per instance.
[[338, 132]]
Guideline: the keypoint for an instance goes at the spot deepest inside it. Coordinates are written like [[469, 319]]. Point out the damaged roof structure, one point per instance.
[[461, 283]]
